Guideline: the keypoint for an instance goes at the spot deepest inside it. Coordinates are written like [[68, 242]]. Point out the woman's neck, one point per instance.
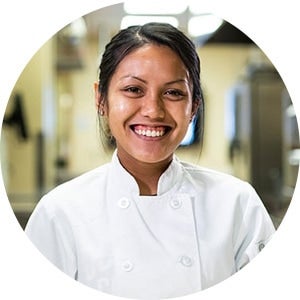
[[146, 174]]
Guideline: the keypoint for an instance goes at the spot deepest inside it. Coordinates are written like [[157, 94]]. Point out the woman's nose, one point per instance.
[[153, 107]]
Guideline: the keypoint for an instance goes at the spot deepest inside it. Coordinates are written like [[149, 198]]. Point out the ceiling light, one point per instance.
[[203, 25], [76, 29], [173, 7], [141, 20]]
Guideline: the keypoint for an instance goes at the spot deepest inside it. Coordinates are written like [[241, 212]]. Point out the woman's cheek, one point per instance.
[[182, 113], [120, 106]]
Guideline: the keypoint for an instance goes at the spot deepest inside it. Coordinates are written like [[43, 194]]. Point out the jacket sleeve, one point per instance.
[[51, 233], [255, 230]]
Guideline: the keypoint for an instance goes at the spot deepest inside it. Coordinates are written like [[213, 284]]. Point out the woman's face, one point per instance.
[[149, 104]]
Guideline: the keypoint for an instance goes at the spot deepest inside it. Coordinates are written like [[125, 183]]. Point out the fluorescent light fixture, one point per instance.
[[78, 28], [203, 25], [165, 7], [141, 20]]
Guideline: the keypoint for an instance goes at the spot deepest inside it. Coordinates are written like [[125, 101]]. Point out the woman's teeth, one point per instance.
[[150, 133]]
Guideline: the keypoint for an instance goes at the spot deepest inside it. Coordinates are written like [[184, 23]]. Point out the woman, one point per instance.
[[148, 225]]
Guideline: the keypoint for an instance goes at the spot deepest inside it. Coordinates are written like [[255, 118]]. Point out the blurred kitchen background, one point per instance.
[[50, 132]]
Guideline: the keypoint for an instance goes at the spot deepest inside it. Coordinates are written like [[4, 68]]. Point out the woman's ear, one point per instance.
[[98, 99]]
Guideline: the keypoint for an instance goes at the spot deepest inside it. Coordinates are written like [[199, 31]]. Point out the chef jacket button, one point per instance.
[[127, 266], [186, 261], [124, 202], [175, 203]]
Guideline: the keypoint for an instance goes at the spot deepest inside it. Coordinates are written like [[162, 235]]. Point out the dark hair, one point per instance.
[[134, 37]]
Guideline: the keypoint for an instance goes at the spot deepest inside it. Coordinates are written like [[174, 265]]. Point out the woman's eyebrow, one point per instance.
[[134, 77], [179, 80]]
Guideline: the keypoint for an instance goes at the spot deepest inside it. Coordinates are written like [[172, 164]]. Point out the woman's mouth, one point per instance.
[[150, 131]]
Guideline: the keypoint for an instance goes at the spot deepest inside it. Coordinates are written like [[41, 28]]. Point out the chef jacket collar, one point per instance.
[[170, 180]]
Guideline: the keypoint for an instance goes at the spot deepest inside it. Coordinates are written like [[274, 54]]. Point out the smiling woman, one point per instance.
[[147, 225], [149, 112]]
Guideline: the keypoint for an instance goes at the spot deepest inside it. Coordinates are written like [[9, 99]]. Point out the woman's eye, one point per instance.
[[174, 94], [133, 90]]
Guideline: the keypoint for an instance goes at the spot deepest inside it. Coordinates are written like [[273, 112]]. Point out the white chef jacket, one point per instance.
[[202, 227]]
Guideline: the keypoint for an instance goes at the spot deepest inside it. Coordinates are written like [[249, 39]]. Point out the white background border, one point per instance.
[[24, 27]]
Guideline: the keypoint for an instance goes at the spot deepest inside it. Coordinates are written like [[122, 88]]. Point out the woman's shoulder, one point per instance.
[[76, 192], [208, 174], [83, 182], [211, 179], [219, 188]]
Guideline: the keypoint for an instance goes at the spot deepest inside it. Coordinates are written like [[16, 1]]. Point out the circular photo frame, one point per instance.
[[50, 120]]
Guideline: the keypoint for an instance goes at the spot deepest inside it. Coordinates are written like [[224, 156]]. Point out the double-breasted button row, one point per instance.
[[184, 260], [175, 203]]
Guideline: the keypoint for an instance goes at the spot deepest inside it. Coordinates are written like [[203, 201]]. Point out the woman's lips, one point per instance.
[[150, 131]]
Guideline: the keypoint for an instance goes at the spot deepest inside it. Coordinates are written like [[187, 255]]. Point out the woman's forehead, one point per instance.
[[152, 59]]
